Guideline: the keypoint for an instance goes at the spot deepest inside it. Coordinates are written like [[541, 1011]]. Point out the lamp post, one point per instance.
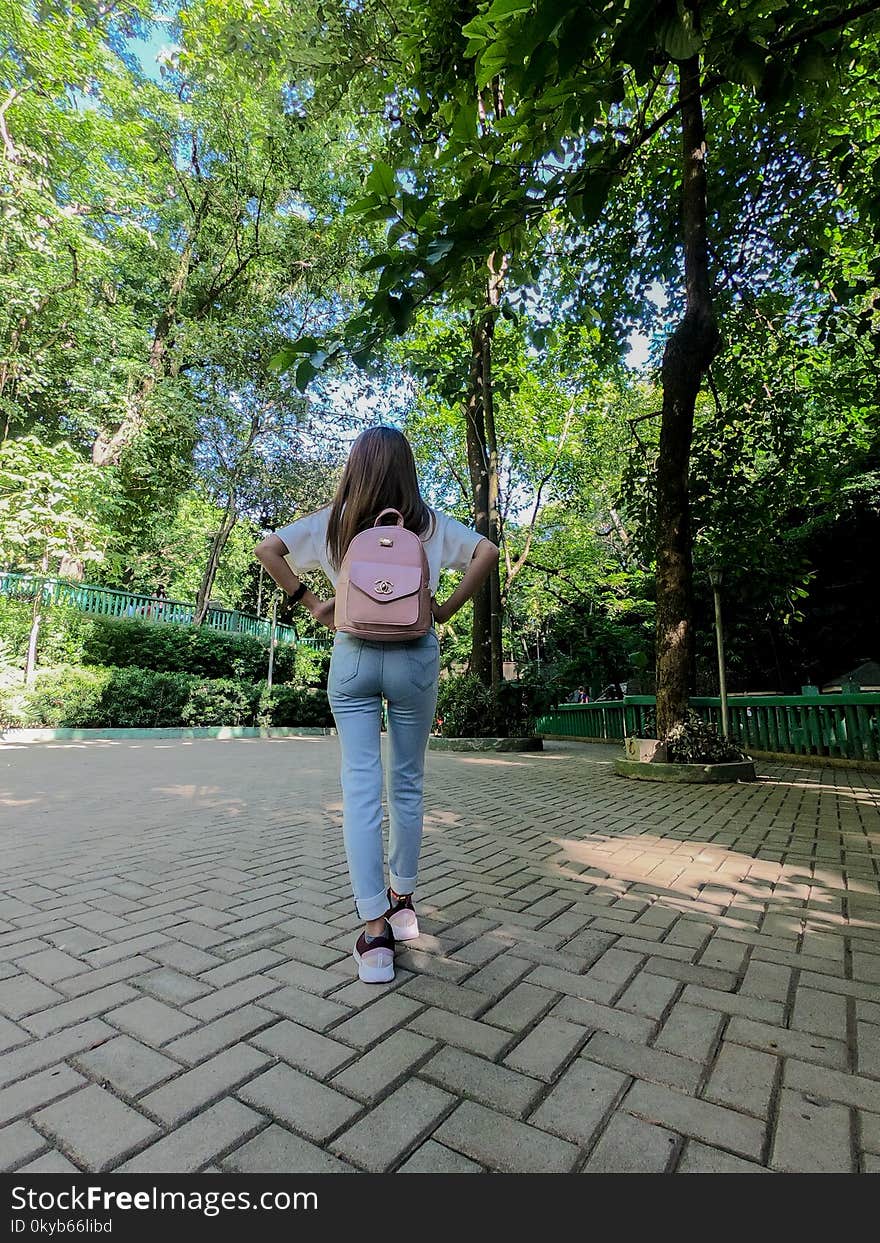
[[715, 576], [272, 627]]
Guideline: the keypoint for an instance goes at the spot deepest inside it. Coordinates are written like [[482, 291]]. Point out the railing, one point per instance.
[[846, 726], [111, 602]]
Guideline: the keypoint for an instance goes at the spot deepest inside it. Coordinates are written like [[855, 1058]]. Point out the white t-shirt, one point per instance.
[[449, 547]]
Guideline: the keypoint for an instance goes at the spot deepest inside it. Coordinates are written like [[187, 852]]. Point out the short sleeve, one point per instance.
[[459, 544], [299, 540]]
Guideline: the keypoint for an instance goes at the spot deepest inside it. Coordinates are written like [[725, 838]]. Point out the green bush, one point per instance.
[[61, 698], [70, 637], [466, 708], [294, 706], [112, 698], [221, 701]]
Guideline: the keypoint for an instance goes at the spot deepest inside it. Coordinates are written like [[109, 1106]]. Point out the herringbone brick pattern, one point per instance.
[[612, 976]]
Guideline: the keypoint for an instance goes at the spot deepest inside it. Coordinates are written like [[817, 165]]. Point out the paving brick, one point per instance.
[[691, 973], [384, 1065], [733, 1003], [223, 1032], [393, 1128], [868, 1047], [593, 1017], [434, 1158], [580, 1101], [49, 966], [648, 994], [630, 1146], [699, 1119], [869, 1125], [642, 1062], [42, 1053], [784, 1043], [95, 1128], [477, 1079], [616, 966], [503, 1144], [701, 1159], [546, 1049], [306, 1050], [232, 997], [458, 998], [151, 1021], [194, 1089], [127, 1065], [11, 1035], [820, 1012], [743, 1079], [499, 975], [185, 958], [49, 1163], [812, 1135], [317, 980], [67, 1013], [37, 1090], [305, 1105], [307, 1009], [276, 1151], [172, 986], [127, 969], [23, 995], [374, 1022], [464, 1033], [766, 980], [520, 1008], [567, 982], [19, 1142], [835, 1085], [197, 1142]]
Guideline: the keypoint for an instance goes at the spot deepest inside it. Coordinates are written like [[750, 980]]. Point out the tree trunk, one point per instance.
[[475, 436], [30, 665], [482, 454], [108, 446], [217, 545], [687, 356]]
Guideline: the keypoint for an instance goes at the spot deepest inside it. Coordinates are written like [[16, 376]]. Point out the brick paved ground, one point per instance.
[[612, 976]]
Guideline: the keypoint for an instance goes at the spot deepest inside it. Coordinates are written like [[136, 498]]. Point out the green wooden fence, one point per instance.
[[110, 602], [846, 726]]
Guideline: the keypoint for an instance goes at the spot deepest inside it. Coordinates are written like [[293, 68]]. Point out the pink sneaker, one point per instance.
[[402, 918], [375, 958]]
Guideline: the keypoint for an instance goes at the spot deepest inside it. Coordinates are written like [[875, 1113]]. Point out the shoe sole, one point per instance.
[[405, 934], [373, 975]]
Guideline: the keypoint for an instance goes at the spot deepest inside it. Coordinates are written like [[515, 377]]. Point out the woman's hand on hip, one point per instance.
[[439, 611], [325, 611]]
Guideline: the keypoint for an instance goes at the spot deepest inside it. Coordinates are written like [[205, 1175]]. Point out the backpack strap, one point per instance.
[[379, 518]]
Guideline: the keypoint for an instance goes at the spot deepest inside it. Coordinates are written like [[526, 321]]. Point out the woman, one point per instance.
[[380, 473]]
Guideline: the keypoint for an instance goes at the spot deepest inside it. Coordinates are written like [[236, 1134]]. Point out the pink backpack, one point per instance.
[[383, 591]]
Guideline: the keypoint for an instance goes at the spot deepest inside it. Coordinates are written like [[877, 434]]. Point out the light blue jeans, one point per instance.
[[362, 672]]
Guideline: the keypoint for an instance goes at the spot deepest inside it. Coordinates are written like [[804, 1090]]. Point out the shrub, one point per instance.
[[61, 698], [71, 637], [469, 709], [221, 701], [294, 706]]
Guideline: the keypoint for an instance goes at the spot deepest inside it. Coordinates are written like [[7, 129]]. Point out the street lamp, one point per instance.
[[715, 576]]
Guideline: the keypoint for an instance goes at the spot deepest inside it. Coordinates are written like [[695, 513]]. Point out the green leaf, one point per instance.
[[305, 373], [381, 180], [502, 9], [678, 38]]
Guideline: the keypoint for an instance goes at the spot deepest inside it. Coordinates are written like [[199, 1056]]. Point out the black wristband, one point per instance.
[[297, 595]]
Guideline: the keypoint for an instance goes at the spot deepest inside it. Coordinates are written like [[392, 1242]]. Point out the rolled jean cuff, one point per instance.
[[372, 908], [403, 884]]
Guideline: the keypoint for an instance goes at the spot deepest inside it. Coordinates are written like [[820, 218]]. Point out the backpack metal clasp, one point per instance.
[[384, 587]]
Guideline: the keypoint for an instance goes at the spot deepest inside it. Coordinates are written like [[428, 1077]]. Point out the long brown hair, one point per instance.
[[380, 473]]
